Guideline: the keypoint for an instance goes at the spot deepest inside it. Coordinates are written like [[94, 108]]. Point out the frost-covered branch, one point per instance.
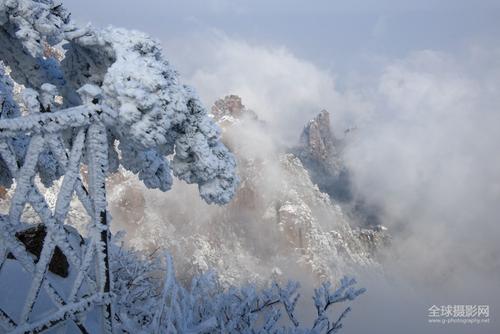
[[324, 298], [160, 124], [149, 304]]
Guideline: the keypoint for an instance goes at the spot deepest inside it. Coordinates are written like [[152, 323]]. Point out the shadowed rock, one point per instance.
[[33, 239], [319, 151]]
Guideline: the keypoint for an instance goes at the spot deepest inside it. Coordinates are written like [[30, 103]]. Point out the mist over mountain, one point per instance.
[[279, 224]]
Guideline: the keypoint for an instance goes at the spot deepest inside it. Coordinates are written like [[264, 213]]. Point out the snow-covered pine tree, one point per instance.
[[149, 303], [149, 115], [107, 98]]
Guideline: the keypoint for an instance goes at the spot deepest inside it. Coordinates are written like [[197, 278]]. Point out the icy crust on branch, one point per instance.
[[27, 28], [152, 115], [201, 158], [144, 106], [33, 22], [146, 303], [8, 109]]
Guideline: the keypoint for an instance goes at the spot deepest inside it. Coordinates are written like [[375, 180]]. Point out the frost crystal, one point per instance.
[[159, 124]]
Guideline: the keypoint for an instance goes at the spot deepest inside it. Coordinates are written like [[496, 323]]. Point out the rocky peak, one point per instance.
[[317, 139], [230, 109], [321, 154], [319, 151], [230, 105]]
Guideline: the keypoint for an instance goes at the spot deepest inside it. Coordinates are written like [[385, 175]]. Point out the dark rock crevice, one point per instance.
[[33, 239]]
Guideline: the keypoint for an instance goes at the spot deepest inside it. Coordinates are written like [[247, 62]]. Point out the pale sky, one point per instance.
[[336, 35]]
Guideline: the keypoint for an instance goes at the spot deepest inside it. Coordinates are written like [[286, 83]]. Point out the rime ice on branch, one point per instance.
[[146, 305], [159, 124]]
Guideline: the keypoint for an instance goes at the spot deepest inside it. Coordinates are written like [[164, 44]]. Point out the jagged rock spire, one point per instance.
[[230, 110], [319, 151], [317, 138]]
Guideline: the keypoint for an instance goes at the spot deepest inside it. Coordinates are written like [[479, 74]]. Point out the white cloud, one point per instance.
[[430, 159], [282, 89]]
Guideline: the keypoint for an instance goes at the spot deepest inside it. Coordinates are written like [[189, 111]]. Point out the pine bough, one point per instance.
[[146, 303]]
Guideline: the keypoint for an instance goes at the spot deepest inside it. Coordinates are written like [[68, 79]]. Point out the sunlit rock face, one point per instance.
[[230, 110]]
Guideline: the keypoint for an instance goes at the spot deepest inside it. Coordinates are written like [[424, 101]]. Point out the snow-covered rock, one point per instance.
[[230, 110], [279, 223]]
